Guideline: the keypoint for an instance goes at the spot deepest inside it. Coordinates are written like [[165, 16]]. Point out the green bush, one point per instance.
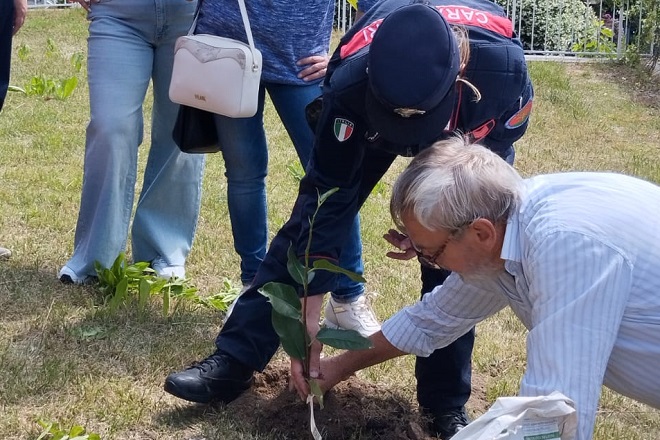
[[554, 24]]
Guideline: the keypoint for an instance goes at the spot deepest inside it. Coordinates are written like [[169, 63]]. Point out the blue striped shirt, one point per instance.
[[582, 260]]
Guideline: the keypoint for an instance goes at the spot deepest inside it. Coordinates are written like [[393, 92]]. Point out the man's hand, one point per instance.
[[87, 4], [401, 242], [314, 67], [332, 375], [20, 12], [312, 316]]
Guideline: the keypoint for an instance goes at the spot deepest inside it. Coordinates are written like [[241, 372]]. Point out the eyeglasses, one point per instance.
[[430, 261]]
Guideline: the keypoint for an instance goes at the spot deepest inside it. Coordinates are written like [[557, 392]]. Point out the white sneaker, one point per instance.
[[356, 315], [4, 253], [163, 270]]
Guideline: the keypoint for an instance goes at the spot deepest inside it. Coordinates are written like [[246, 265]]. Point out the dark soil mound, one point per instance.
[[354, 409]]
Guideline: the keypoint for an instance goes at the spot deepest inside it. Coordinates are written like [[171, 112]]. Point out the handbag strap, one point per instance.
[[246, 24]]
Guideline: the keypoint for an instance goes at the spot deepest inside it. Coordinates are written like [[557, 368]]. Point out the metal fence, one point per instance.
[[562, 27], [34, 4], [546, 27]]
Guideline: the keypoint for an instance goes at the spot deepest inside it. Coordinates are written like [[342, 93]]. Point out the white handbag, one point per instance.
[[217, 74]]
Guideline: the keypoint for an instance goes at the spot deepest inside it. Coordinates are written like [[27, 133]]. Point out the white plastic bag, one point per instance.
[[550, 417]]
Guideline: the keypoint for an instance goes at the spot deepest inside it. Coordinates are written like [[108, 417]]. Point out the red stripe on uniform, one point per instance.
[[462, 15]]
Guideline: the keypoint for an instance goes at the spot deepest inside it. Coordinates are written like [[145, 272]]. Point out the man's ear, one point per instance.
[[484, 232]]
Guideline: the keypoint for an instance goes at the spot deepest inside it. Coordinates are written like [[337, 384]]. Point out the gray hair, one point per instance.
[[453, 183]]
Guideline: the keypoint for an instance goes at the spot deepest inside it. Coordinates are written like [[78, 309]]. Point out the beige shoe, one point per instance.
[[356, 315], [4, 253]]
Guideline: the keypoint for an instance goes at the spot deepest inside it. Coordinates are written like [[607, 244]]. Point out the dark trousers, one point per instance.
[[444, 378], [6, 29], [248, 335]]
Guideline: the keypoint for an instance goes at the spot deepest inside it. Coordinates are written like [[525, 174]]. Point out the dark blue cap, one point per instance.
[[413, 65]]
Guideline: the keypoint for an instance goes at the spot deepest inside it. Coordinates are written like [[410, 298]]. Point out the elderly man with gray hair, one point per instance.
[[575, 256]]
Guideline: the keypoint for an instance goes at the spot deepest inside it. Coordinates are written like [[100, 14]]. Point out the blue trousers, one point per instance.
[[245, 152], [131, 43], [6, 29]]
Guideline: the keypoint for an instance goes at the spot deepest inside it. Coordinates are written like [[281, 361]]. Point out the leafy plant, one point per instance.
[[289, 314], [595, 38], [53, 431], [49, 87], [23, 52], [551, 24], [124, 283]]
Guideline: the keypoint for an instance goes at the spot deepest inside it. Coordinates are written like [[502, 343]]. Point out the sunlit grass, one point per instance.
[[64, 358]]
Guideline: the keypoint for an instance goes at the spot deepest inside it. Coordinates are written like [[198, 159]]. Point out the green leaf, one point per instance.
[[117, 267], [343, 339], [328, 266], [296, 269], [323, 197], [16, 89], [166, 302], [76, 430], [144, 292], [284, 299], [316, 391], [292, 335], [119, 295]]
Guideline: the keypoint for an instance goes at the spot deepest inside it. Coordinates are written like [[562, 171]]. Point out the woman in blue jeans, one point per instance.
[[293, 37], [130, 43]]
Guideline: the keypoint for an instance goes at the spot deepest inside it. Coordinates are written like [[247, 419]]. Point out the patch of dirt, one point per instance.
[[643, 88], [353, 409]]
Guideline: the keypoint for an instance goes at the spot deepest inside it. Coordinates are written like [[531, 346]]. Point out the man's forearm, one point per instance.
[[349, 362]]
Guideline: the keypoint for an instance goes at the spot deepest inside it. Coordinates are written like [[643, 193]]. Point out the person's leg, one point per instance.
[[444, 378], [6, 29], [245, 153], [168, 207], [119, 68], [347, 307], [247, 341]]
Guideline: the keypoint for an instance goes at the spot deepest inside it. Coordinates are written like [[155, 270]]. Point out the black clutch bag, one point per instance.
[[194, 131]]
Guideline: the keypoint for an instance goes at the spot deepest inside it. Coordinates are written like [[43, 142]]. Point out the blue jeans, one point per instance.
[[245, 151], [6, 29], [130, 43]]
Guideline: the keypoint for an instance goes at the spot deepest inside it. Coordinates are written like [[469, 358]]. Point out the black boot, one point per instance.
[[218, 378], [446, 423]]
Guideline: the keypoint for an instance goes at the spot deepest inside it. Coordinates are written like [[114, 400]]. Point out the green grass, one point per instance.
[[64, 358]]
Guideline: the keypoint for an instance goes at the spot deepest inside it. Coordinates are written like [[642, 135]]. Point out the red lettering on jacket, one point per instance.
[[453, 14]]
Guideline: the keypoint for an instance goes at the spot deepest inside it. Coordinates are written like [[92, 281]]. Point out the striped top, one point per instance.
[[582, 259]]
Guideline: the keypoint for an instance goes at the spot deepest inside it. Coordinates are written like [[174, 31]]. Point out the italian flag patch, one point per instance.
[[343, 129]]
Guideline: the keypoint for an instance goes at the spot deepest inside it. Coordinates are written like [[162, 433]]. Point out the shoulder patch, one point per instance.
[[343, 129], [520, 117]]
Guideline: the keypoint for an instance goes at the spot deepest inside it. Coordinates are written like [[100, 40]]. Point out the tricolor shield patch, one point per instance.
[[343, 129]]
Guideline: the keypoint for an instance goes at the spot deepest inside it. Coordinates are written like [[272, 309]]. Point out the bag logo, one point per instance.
[[343, 129], [200, 97]]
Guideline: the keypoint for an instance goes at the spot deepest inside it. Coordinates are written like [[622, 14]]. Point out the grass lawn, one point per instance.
[[64, 357]]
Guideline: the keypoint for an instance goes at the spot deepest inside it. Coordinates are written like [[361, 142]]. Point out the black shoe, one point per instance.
[[446, 423], [218, 378]]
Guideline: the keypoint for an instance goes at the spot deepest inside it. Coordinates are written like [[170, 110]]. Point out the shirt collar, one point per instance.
[[511, 245]]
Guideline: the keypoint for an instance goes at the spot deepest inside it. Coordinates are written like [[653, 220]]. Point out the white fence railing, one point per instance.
[[546, 27]]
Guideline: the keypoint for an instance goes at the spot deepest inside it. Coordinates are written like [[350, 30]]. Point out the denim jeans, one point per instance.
[[130, 43], [245, 151], [6, 29]]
